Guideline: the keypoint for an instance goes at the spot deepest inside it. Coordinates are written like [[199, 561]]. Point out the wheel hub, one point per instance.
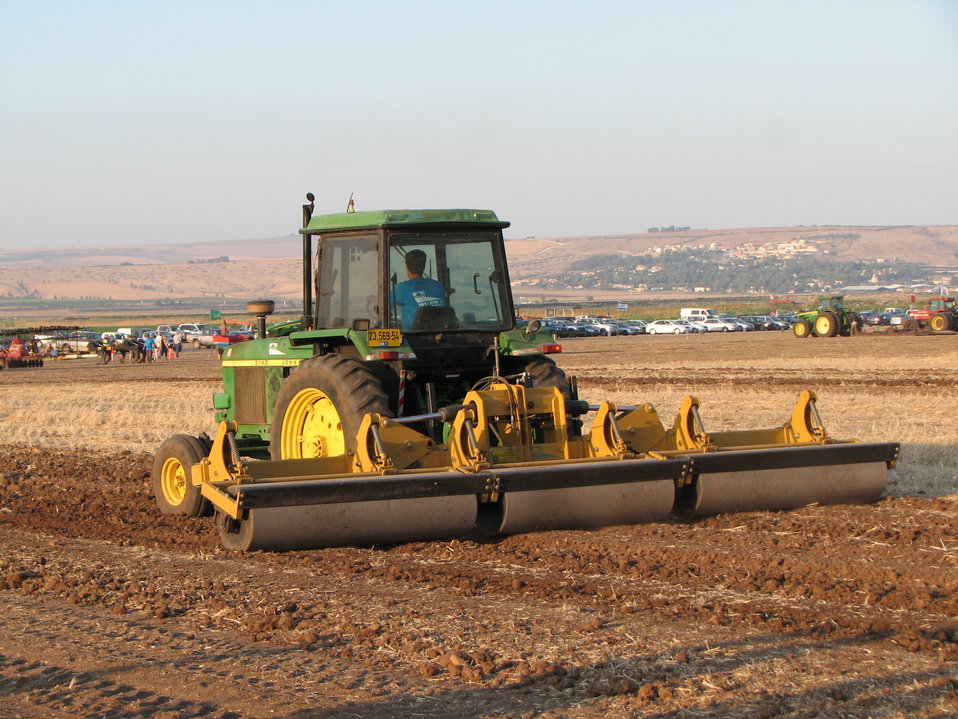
[[173, 481], [312, 427]]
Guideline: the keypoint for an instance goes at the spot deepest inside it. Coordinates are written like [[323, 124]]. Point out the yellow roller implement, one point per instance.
[[509, 465]]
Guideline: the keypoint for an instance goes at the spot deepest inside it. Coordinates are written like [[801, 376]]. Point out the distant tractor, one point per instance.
[[939, 313], [830, 319]]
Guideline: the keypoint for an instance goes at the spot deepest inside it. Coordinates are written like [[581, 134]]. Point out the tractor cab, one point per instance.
[[942, 304], [836, 303], [426, 271]]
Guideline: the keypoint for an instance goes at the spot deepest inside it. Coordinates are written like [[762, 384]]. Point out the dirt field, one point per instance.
[[109, 609]]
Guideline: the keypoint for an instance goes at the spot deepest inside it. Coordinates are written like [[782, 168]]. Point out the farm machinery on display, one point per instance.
[[830, 319], [405, 405], [26, 346], [20, 354], [939, 313]]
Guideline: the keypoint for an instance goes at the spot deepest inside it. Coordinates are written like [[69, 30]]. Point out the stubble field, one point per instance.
[[111, 609]]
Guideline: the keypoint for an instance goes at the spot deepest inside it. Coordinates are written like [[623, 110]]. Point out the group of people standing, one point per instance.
[[150, 348]]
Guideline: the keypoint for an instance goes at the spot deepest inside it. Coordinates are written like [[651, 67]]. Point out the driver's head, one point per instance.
[[415, 262]]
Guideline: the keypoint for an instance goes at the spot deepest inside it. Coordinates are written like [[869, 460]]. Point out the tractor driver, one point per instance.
[[417, 291]]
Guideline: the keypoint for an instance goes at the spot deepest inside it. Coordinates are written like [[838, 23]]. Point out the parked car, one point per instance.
[[743, 323], [693, 327], [714, 324], [605, 326], [761, 322], [624, 328], [873, 318], [559, 329], [640, 324], [894, 316], [778, 323], [666, 327], [190, 330], [698, 325]]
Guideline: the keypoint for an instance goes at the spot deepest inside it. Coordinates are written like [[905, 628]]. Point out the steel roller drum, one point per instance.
[[579, 507], [788, 488], [334, 525]]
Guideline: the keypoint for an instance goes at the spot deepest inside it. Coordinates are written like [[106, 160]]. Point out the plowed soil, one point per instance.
[[110, 609]]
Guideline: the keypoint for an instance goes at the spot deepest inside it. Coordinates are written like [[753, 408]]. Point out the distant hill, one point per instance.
[[923, 245], [270, 267], [172, 253]]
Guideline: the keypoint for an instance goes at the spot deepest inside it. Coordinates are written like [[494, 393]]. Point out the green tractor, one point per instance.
[[412, 308], [830, 319]]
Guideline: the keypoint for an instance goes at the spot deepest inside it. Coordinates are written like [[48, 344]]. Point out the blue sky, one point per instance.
[[134, 122]]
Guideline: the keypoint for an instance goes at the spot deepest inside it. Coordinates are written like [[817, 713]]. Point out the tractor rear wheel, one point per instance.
[[545, 373], [320, 406], [826, 324], [802, 328], [941, 322], [174, 491]]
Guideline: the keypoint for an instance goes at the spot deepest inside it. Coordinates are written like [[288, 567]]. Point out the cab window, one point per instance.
[[443, 281], [348, 287]]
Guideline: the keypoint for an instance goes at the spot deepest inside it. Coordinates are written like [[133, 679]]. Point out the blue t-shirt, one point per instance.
[[415, 293]]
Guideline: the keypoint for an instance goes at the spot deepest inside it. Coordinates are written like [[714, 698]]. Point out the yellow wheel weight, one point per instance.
[[173, 481], [312, 427]]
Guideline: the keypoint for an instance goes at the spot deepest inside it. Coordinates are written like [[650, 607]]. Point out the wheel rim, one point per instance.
[[823, 325], [312, 427], [173, 481], [800, 329]]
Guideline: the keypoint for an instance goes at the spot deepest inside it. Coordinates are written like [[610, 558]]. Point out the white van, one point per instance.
[[696, 313]]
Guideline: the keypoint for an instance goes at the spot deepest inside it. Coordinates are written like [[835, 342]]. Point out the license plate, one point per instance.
[[385, 338]]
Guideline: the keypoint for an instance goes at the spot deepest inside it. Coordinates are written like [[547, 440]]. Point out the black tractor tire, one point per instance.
[[942, 322], [172, 488], [344, 385], [802, 328], [827, 324], [545, 373]]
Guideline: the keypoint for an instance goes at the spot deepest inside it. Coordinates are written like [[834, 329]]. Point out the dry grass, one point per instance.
[[134, 416]]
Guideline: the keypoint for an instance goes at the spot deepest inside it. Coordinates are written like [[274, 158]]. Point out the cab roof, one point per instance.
[[402, 218]]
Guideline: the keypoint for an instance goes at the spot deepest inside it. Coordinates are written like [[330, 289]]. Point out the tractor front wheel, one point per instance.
[[320, 406], [802, 328], [172, 486]]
